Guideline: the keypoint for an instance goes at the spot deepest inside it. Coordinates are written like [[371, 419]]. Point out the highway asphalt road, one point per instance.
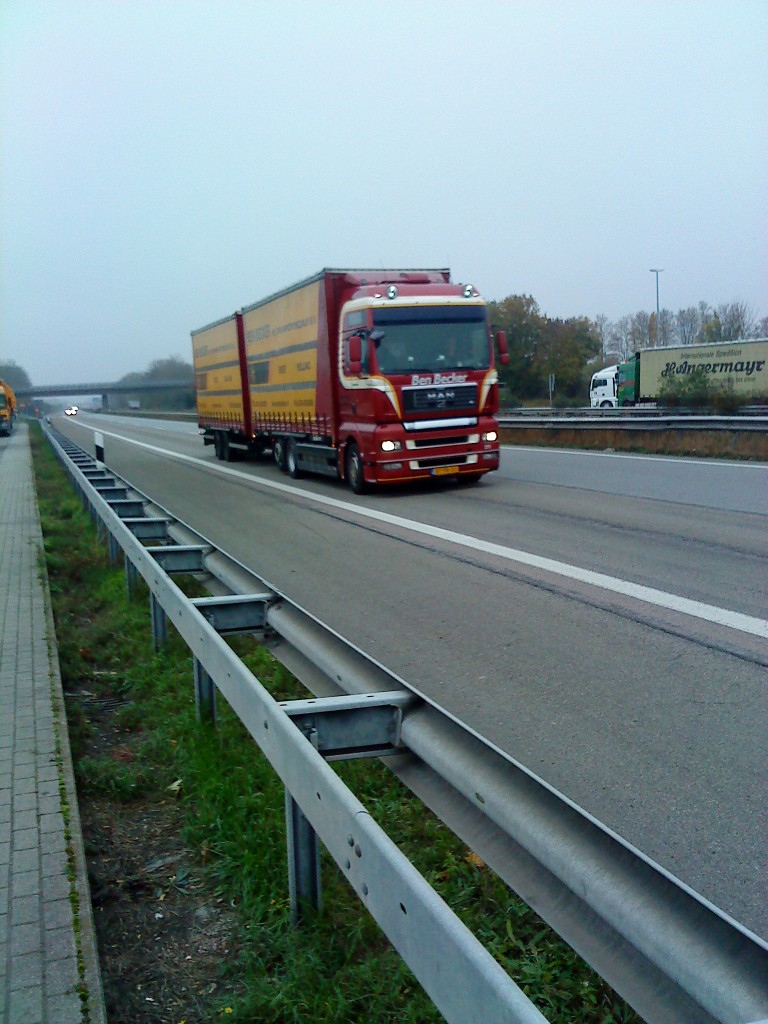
[[599, 617]]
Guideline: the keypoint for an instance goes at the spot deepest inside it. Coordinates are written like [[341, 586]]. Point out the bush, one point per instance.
[[696, 390], [692, 391], [511, 402], [564, 402]]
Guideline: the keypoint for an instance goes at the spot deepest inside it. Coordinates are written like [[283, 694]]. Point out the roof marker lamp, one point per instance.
[[392, 292]]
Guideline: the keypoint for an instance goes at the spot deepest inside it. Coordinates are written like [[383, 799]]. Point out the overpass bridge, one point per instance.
[[105, 390]]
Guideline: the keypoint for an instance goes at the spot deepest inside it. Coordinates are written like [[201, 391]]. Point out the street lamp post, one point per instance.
[[658, 271]]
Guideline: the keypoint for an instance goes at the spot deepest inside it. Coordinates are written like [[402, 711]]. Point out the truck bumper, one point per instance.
[[433, 454]]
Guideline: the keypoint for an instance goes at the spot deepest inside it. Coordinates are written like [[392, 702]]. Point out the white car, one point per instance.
[[72, 410]]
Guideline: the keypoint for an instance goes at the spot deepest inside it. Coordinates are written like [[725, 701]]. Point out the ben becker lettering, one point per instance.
[[438, 378]]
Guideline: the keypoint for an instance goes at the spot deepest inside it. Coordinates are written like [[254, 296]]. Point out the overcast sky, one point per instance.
[[164, 163]]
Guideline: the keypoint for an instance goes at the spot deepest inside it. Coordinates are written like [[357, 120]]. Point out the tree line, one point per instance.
[[573, 349], [696, 325]]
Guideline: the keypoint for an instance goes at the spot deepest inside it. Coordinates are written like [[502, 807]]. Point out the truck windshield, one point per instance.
[[432, 339]]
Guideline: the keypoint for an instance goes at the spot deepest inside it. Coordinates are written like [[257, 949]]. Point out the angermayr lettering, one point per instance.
[[745, 366]]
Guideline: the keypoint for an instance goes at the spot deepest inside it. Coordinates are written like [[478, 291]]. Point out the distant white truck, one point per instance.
[[602, 390]]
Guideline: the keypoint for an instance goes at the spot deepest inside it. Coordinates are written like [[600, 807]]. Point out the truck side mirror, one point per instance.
[[501, 344], [355, 353]]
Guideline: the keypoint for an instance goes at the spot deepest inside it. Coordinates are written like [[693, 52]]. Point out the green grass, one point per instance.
[[338, 967]]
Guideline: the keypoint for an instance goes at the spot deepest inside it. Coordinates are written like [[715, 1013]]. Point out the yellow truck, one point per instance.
[[7, 409]]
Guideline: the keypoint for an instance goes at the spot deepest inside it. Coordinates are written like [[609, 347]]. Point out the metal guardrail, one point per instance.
[[668, 952], [753, 418]]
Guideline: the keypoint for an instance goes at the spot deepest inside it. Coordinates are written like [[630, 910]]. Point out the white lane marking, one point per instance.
[[649, 595], [712, 463]]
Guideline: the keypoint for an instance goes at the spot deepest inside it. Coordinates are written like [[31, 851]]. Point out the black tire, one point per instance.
[[471, 478], [278, 453], [292, 460], [217, 449], [355, 474], [606, 405], [226, 450]]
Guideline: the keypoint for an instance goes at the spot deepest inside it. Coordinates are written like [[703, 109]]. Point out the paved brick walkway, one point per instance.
[[47, 949]]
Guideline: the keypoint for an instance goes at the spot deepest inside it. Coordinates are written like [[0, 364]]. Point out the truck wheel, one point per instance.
[[355, 475], [292, 460], [217, 445], [226, 451], [278, 453], [606, 405]]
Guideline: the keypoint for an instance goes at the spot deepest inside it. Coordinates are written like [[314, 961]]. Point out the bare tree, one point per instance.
[[642, 330], [621, 339], [705, 315], [688, 323], [737, 320], [667, 333], [602, 330]]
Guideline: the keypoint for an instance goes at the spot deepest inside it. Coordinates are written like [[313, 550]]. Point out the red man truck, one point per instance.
[[372, 376]]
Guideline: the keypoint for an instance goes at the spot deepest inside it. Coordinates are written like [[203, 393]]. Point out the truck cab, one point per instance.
[[418, 388], [602, 390]]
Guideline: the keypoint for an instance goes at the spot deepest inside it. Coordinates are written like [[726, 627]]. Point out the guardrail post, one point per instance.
[[113, 548], [159, 623], [205, 694], [131, 576], [303, 862]]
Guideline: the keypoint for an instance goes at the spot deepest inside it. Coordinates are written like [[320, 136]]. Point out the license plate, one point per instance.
[[445, 470]]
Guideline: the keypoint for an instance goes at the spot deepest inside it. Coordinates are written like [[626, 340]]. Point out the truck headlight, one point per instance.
[[391, 446], [490, 435]]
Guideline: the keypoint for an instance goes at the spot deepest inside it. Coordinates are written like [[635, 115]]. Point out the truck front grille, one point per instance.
[[442, 442], [428, 399]]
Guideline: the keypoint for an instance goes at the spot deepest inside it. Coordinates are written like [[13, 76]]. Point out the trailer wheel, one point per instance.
[[278, 453], [222, 447], [292, 459], [355, 475], [606, 405]]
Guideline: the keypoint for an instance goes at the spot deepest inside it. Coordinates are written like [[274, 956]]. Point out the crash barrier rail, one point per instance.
[[671, 954], [751, 419]]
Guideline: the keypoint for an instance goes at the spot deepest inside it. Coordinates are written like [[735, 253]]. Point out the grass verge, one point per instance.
[[218, 796]]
